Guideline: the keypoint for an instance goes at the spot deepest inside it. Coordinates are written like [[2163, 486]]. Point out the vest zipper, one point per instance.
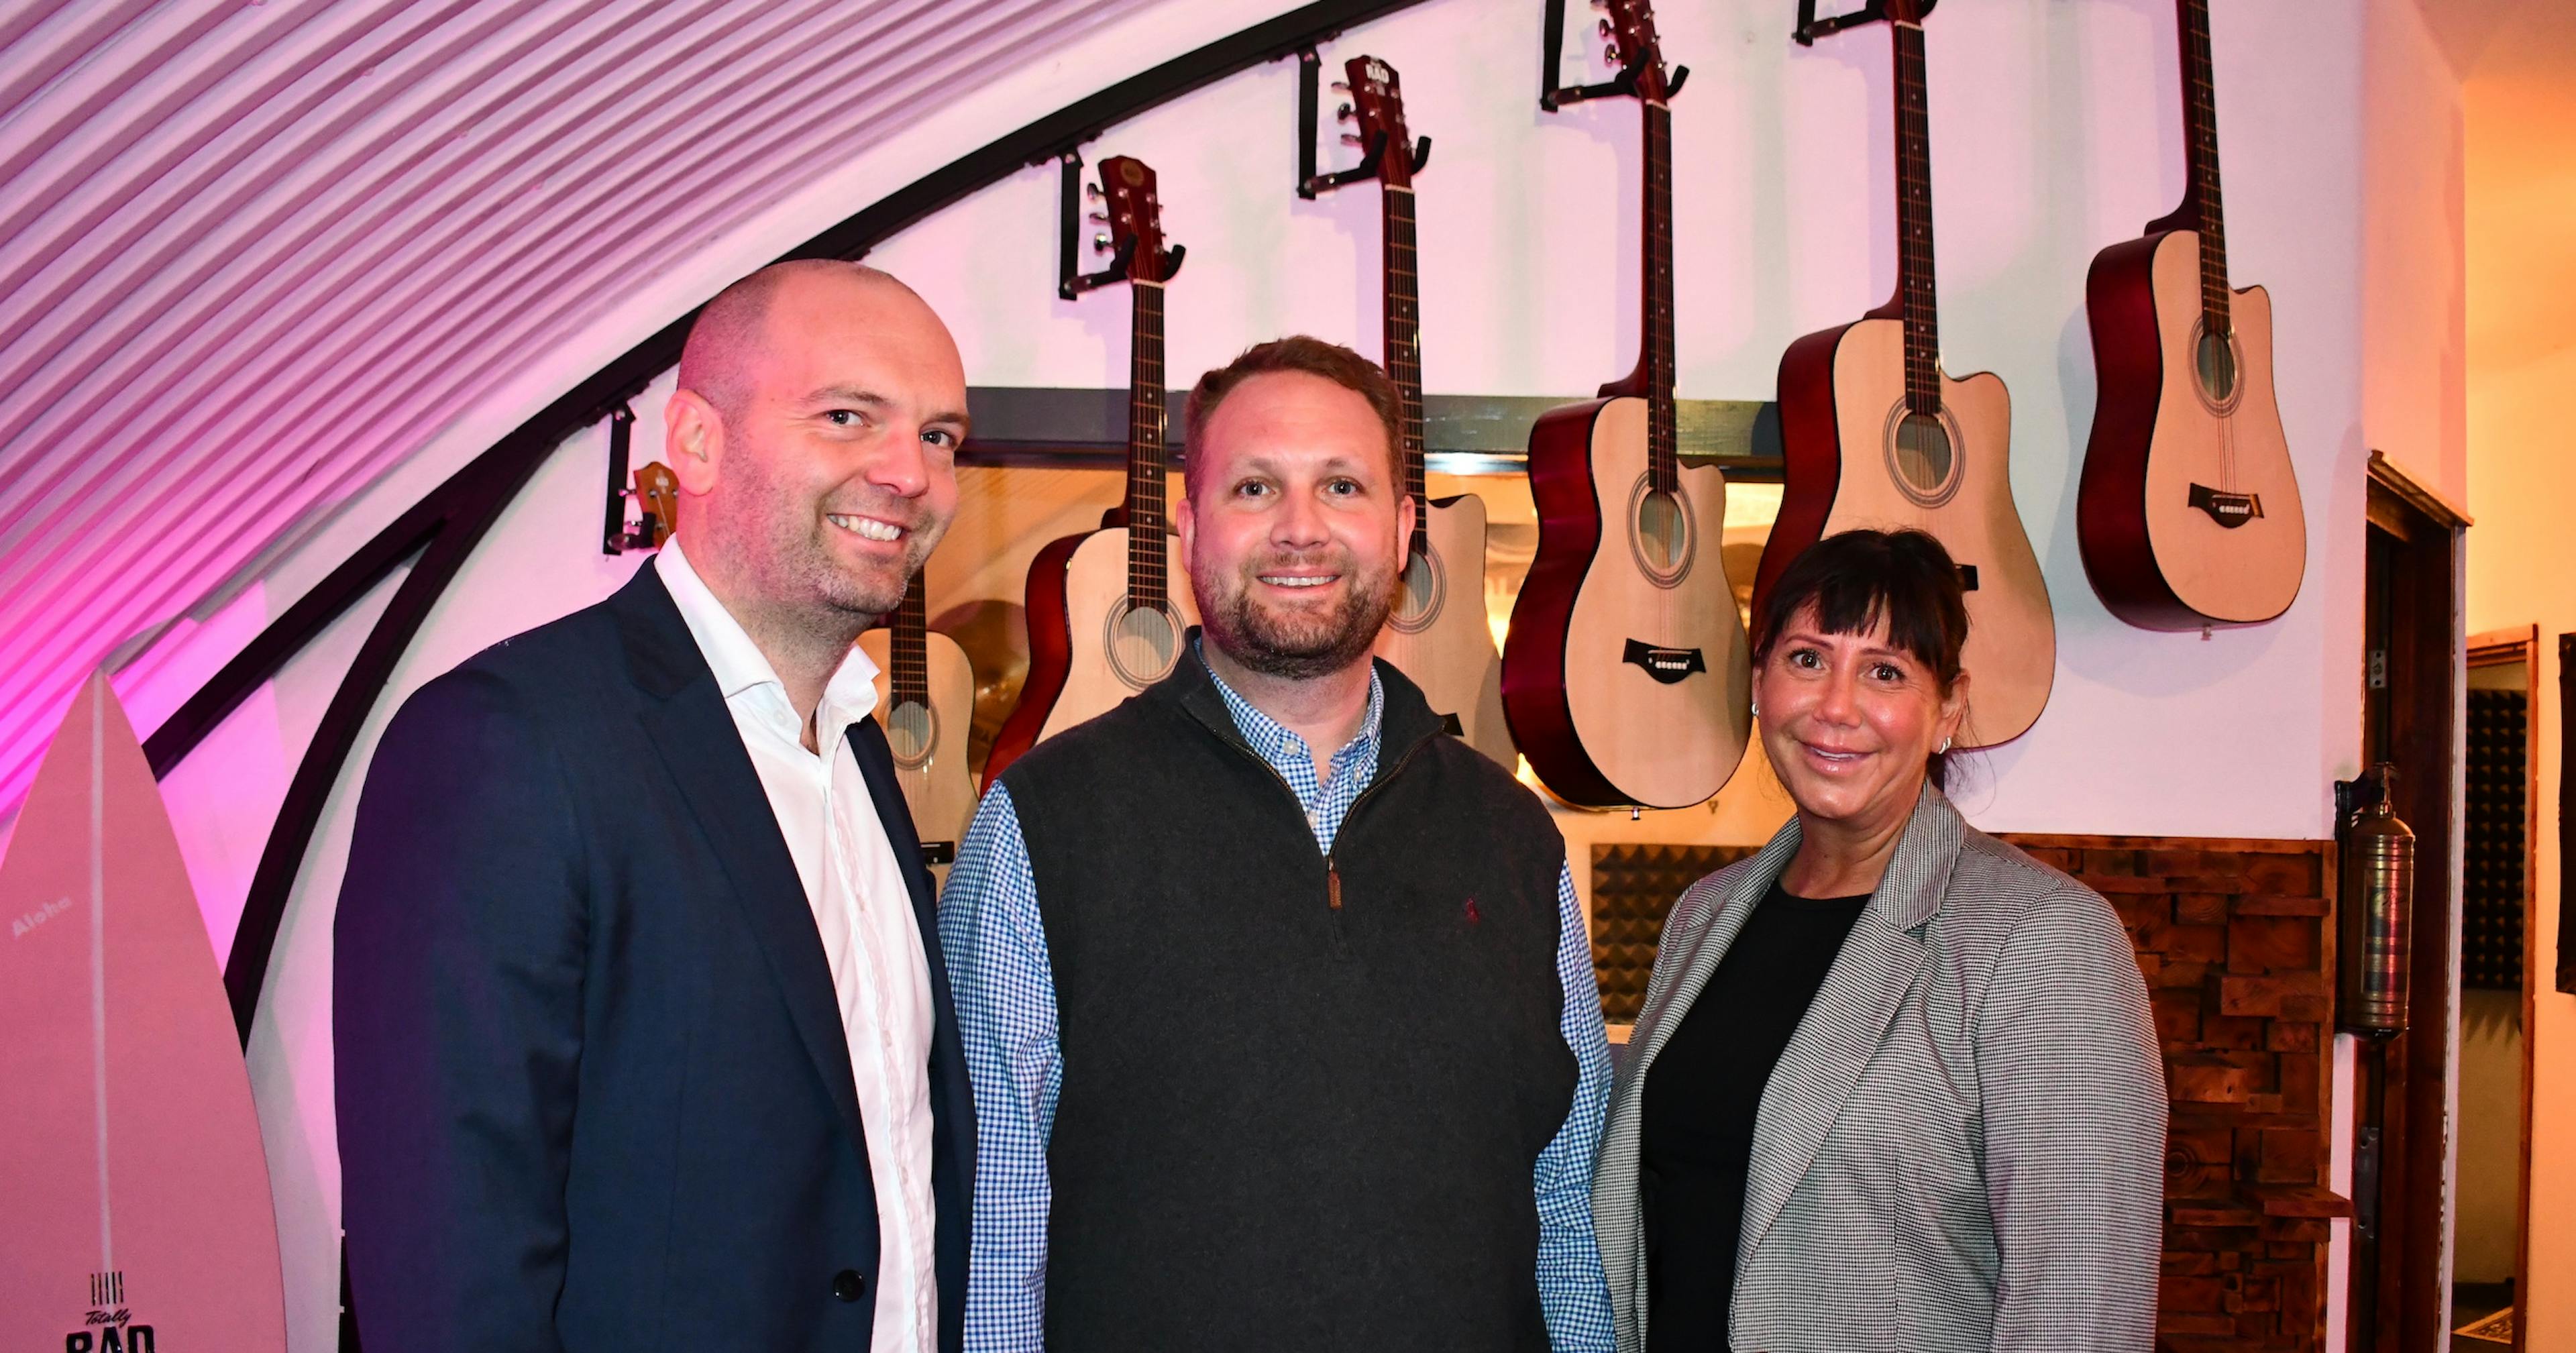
[[1332, 874]]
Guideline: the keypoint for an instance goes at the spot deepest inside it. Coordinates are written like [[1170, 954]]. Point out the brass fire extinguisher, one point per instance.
[[2378, 900]]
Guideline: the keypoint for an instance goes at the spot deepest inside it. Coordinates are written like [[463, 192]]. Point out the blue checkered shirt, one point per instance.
[[1005, 998]]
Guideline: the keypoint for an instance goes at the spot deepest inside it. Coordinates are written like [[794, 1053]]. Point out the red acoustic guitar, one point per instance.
[[1878, 436], [1107, 608], [2188, 511], [1624, 672], [1437, 633]]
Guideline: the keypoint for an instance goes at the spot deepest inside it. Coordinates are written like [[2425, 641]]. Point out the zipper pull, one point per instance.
[[1332, 888]]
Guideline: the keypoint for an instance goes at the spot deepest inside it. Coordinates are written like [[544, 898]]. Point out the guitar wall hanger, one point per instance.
[[1071, 281], [1552, 96], [1310, 180], [654, 487], [1811, 28]]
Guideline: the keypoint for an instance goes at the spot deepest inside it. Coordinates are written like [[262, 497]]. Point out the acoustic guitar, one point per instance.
[[1107, 608], [1877, 435], [2187, 513], [1437, 634], [1624, 675], [926, 702]]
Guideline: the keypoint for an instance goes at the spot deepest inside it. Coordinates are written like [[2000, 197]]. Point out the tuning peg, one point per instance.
[[1092, 191], [1349, 139], [1605, 29], [1601, 5], [1342, 114], [1341, 86], [1610, 53], [1101, 240]]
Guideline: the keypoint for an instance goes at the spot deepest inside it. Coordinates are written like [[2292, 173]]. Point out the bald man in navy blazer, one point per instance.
[[643, 1035]]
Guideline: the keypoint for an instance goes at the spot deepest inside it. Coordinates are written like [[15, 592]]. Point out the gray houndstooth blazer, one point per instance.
[[1962, 1146]]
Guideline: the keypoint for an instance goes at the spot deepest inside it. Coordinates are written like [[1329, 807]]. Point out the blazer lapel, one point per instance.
[[1850, 1015], [700, 747], [952, 1095]]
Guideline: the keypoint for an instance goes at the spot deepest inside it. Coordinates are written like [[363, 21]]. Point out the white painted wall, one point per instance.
[[2057, 133]]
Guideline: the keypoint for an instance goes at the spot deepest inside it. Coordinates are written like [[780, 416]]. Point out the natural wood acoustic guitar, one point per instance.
[[1624, 672], [1878, 436], [1437, 634], [2188, 512], [1107, 608], [926, 702]]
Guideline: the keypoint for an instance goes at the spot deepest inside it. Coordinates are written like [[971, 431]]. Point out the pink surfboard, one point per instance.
[[134, 1207]]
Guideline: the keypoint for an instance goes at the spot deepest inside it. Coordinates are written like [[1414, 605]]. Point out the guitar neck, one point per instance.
[[1918, 298], [1663, 464], [2200, 161], [1148, 567], [908, 674], [1403, 313]]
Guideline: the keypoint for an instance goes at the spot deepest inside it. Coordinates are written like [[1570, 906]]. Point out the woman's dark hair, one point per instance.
[[1853, 579]]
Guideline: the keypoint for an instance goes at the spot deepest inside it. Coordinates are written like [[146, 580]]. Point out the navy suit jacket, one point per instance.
[[593, 1087]]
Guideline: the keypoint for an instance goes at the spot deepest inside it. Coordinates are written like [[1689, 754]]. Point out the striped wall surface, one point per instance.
[[254, 253]]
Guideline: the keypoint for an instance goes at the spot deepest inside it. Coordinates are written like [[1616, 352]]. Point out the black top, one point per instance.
[[1281, 1175], [1701, 1099]]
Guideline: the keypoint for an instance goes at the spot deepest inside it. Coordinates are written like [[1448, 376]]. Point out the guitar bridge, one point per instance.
[[2230, 510], [1667, 665]]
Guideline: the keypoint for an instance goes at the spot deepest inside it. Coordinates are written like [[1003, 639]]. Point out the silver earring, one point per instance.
[[1945, 746], [1757, 709]]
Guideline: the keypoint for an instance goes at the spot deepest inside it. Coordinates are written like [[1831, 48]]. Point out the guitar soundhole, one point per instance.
[[1418, 598], [1660, 533], [912, 730], [1923, 455], [2218, 364], [1143, 643]]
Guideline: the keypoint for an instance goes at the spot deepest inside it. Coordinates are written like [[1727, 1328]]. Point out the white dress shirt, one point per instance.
[[863, 913]]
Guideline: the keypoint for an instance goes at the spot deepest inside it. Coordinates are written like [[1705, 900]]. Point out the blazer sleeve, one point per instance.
[[2074, 1101], [457, 982]]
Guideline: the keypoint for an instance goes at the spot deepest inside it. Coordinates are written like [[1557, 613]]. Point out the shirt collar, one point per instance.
[[742, 669], [1279, 746]]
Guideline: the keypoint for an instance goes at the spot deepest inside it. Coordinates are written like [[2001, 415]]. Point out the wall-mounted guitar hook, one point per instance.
[[1071, 280], [1310, 180], [655, 487], [1552, 96], [1811, 28]]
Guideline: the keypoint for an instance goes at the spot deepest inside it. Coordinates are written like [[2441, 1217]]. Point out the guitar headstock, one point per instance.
[[1135, 219], [658, 489], [1377, 104], [1634, 46]]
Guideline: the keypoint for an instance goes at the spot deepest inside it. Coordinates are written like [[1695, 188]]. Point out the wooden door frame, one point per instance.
[[2426, 736], [2497, 648]]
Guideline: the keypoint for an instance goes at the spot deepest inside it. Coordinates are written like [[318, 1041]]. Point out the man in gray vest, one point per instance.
[[1276, 997]]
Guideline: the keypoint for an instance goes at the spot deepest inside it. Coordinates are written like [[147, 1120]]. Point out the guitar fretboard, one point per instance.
[[1148, 565], [1914, 276], [1663, 459], [2200, 161], [908, 677], [1403, 315]]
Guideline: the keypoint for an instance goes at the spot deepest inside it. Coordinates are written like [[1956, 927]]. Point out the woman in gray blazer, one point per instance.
[[1894, 1085]]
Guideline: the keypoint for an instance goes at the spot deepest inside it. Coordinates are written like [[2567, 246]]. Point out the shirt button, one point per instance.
[[847, 1284]]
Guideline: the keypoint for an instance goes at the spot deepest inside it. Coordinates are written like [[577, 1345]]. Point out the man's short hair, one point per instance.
[[1314, 357], [731, 330]]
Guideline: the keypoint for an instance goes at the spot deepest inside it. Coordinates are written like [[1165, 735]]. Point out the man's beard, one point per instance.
[[1298, 645], [799, 565]]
